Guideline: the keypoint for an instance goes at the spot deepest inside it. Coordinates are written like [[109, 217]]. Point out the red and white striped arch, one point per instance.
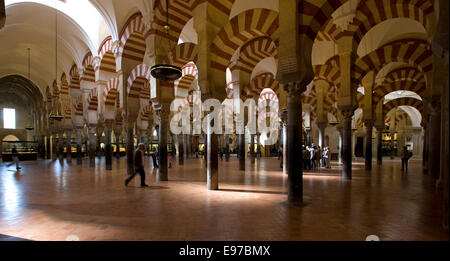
[[79, 106], [93, 100], [189, 74], [137, 80], [74, 78], [259, 83], [405, 73], [180, 12], [392, 104], [183, 54], [411, 51], [132, 39], [247, 25], [107, 56], [255, 51], [146, 112], [112, 91], [88, 68], [401, 85]]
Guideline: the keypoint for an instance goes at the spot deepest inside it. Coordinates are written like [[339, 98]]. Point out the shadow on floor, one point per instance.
[[254, 191]]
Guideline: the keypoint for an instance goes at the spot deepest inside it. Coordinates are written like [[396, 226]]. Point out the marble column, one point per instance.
[[380, 144], [92, 145], [368, 154], [69, 145], [322, 126], [241, 139], [294, 143], [227, 148], [308, 136], [339, 129], [79, 145], [108, 147], [181, 149], [99, 132], [130, 146], [162, 143], [212, 168], [284, 121], [347, 143], [434, 144], [393, 154]]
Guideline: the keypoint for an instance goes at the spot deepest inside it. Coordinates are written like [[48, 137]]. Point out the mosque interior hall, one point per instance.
[[224, 120]]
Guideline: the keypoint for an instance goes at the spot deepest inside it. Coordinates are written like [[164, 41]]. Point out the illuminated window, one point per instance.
[[9, 118]]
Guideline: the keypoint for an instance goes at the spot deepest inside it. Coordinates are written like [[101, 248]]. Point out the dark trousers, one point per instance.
[[141, 173], [404, 164], [155, 162]]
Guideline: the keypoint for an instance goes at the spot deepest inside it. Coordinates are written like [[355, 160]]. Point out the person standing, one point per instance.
[[405, 157], [15, 157], [155, 162], [138, 165]]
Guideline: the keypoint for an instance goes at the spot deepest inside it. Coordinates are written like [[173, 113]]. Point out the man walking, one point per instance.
[[15, 158], [138, 165]]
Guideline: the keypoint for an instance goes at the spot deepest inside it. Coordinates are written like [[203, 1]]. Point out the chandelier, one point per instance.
[[56, 115], [166, 72]]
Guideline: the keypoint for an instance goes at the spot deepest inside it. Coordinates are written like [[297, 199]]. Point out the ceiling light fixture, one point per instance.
[[166, 72]]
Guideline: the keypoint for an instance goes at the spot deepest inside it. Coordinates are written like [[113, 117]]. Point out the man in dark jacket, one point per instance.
[[138, 165]]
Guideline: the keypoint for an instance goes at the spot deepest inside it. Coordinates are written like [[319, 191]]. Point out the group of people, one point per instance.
[[315, 157]]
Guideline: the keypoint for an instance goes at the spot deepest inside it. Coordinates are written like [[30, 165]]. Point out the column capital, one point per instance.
[[322, 125], [109, 125], [163, 112], [294, 89], [380, 128], [347, 113], [369, 123]]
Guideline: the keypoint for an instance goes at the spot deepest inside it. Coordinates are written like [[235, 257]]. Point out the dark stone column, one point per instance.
[[69, 145], [117, 133], [108, 147], [308, 137], [181, 149], [227, 148], [425, 144], [162, 144], [241, 138], [79, 145], [369, 129], [347, 143], [258, 145], [61, 145], [294, 143], [130, 146], [54, 146], [92, 145], [339, 129], [380, 145], [284, 121], [434, 140], [252, 148], [212, 169]]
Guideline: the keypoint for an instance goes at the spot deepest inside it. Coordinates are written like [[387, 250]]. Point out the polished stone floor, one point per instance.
[[50, 200]]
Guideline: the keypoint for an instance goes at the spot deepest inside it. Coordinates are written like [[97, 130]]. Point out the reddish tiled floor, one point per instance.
[[51, 201]]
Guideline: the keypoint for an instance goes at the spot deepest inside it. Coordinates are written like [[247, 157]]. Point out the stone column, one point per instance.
[[212, 168], [434, 140], [347, 143], [241, 140], [258, 145], [162, 142], [294, 143], [69, 145], [79, 145], [284, 120], [425, 144], [61, 145], [181, 149], [130, 145], [117, 133], [92, 145], [380, 144], [368, 154], [322, 126], [308, 136], [108, 147], [392, 144], [227, 147], [252, 148]]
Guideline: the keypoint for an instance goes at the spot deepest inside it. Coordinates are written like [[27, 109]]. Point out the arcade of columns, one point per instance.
[[114, 93]]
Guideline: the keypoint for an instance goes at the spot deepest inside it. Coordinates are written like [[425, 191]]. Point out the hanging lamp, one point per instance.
[[29, 126], [56, 116], [166, 72]]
